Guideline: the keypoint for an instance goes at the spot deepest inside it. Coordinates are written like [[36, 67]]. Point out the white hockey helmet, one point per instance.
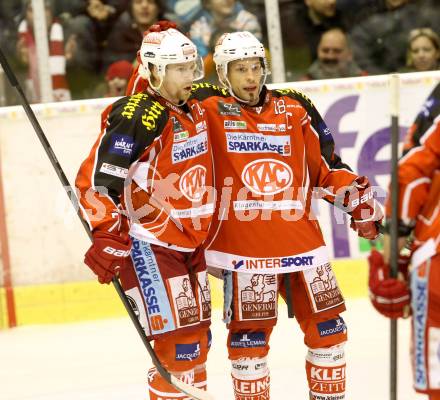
[[167, 47], [237, 46]]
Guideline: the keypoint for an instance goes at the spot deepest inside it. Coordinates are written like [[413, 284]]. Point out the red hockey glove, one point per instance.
[[389, 296], [366, 212], [107, 255]]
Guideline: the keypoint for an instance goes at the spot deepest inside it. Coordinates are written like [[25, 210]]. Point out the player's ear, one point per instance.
[[154, 71]]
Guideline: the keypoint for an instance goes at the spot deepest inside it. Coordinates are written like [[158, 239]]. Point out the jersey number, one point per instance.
[[280, 106]]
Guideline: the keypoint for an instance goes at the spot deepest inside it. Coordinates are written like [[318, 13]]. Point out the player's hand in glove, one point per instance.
[[366, 212], [389, 296], [108, 255]]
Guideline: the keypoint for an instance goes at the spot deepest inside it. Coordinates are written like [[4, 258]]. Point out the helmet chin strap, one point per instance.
[[147, 75], [179, 104]]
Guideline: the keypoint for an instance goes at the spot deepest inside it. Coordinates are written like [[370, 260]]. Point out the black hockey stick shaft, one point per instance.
[[75, 202], [394, 250]]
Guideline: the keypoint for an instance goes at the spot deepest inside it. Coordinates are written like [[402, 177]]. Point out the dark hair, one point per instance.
[[161, 5]]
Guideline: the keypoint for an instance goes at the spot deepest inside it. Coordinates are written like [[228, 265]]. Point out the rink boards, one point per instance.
[[77, 301]]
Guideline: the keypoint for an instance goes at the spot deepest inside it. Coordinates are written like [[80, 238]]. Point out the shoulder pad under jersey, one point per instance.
[[203, 90], [140, 112], [293, 94]]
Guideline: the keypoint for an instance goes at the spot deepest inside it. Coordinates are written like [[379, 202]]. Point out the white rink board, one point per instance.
[[46, 240]]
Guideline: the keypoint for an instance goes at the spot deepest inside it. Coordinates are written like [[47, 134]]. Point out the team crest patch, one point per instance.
[[322, 287], [229, 109], [185, 303], [177, 126], [258, 296]]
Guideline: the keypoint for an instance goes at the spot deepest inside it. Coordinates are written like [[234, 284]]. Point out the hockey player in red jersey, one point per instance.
[[272, 154], [143, 191], [419, 227]]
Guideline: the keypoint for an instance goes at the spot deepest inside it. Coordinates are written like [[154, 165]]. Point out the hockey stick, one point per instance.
[[394, 251], [185, 388]]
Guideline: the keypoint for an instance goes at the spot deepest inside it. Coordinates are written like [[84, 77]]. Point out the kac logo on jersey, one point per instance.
[[229, 109], [193, 183], [246, 340], [332, 327], [187, 352], [267, 176], [122, 145]]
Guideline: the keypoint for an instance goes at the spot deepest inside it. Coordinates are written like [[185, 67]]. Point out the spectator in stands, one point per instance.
[[86, 37], [313, 19], [8, 12], [218, 17], [335, 59], [185, 12], [379, 42], [117, 77], [27, 54], [125, 38], [423, 50], [355, 11], [88, 31]]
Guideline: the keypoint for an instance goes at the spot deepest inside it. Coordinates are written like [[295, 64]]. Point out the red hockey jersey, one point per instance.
[[419, 187], [152, 164], [268, 162]]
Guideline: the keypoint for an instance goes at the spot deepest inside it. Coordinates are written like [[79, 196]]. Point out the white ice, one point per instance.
[[105, 360]]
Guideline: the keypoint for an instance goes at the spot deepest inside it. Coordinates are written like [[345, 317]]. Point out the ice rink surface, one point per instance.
[[105, 360]]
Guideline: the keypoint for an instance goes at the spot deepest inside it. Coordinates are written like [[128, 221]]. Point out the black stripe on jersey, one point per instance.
[[203, 90], [132, 125], [426, 117], [326, 141]]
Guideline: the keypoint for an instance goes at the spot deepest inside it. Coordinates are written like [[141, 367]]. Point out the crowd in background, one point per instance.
[[93, 43]]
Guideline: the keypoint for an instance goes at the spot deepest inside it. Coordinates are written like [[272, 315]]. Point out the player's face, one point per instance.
[[333, 51], [177, 82], [245, 78], [424, 55]]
